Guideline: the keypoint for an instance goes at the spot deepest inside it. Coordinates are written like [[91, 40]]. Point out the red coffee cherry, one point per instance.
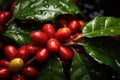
[[42, 55], [1, 29], [10, 52], [81, 22], [53, 45], [4, 16], [49, 30], [18, 77], [32, 49], [62, 23], [75, 1], [23, 53], [79, 49], [39, 37], [4, 73], [65, 53], [4, 63], [30, 71], [63, 34], [74, 26], [12, 6]]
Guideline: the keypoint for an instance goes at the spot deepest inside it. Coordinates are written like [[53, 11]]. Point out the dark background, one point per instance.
[[92, 8]]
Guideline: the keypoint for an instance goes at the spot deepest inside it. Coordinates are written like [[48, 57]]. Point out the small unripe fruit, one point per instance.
[[42, 55], [29, 71], [63, 34], [23, 53], [65, 54], [16, 64], [4, 73], [18, 77], [39, 37], [53, 45], [10, 52], [4, 63], [49, 30]]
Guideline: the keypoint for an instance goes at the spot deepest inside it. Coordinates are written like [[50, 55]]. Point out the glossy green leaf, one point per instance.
[[104, 50], [102, 26], [44, 10], [84, 68], [52, 70], [20, 33]]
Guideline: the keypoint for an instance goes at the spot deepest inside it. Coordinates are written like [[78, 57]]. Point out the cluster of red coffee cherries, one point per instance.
[[49, 41], [18, 63], [10, 63]]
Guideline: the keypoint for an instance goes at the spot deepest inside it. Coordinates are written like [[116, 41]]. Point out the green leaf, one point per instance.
[[20, 33], [44, 10], [102, 26], [5, 3], [104, 50], [84, 68], [52, 70]]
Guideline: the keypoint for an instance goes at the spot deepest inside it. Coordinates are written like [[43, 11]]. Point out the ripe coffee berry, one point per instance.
[[23, 53], [74, 26], [30, 71], [1, 29], [4, 63], [32, 49], [62, 23], [49, 30], [4, 73], [79, 49], [81, 22], [10, 52], [53, 45], [76, 1], [63, 34], [39, 37], [12, 6], [65, 53], [18, 77], [4, 16], [42, 55]]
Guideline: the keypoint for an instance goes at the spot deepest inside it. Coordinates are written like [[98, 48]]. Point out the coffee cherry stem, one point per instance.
[[78, 37], [30, 61], [73, 42], [10, 21]]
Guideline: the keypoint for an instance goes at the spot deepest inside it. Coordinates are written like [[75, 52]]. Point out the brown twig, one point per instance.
[[30, 61], [73, 42]]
